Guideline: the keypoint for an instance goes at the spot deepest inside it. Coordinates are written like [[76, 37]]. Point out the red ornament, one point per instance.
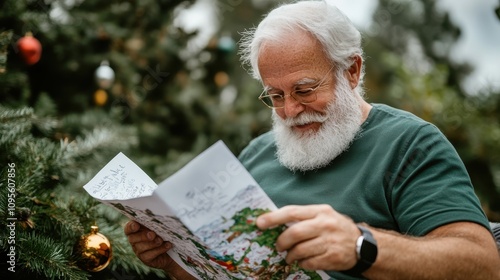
[[29, 48]]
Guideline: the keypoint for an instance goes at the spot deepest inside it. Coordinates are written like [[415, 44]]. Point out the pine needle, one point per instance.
[[44, 256]]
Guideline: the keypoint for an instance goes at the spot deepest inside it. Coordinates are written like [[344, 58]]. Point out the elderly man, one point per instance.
[[368, 190]]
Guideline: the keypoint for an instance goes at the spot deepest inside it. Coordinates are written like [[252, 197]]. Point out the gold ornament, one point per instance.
[[100, 97], [93, 251]]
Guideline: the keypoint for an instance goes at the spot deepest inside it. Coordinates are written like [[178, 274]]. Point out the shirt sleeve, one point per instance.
[[431, 187]]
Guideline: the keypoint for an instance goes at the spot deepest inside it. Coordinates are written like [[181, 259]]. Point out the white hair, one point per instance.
[[340, 39]]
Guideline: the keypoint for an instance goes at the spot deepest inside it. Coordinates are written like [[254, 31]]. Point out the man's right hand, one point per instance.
[[151, 250]]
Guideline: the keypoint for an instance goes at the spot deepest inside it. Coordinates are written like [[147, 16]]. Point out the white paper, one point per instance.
[[207, 210]]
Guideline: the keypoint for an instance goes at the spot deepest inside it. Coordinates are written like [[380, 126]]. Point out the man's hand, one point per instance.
[[148, 247], [151, 250], [318, 237]]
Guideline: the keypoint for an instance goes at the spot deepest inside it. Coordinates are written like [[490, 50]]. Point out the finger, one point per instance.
[[334, 257], [324, 227], [131, 227], [140, 247], [305, 250], [285, 215], [298, 233], [142, 235], [332, 247], [157, 257], [148, 252]]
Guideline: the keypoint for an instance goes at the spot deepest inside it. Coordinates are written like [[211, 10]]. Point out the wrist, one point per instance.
[[366, 252], [178, 273], [171, 276]]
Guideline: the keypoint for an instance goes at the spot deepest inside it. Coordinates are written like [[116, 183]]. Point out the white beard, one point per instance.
[[340, 125]]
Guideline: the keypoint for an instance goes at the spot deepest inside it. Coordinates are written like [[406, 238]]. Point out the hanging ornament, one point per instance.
[[226, 44], [104, 75], [100, 97], [221, 79], [30, 48], [93, 251]]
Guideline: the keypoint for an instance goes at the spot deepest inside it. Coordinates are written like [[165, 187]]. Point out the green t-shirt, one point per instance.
[[400, 173]]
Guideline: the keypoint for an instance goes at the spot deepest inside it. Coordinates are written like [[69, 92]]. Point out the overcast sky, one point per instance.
[[480, 41]]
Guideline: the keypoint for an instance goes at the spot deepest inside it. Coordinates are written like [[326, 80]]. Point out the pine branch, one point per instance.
[[9, 115], [5, 38], [92, 150], [58, 222], [14, 123], [94, 138], [3, 202], [100, 138], [47, 257], [39, 166]]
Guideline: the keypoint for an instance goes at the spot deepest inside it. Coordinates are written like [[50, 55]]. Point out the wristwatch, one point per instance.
[[366, 250]]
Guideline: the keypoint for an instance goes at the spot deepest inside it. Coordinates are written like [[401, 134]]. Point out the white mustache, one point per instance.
[[304, 118]]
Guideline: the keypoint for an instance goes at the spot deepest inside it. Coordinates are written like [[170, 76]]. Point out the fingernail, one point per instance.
[[158, 241], [134, 226], [151, 235], [168, 245]]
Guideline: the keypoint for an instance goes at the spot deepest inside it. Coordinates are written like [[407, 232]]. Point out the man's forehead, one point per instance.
[[298, 64]]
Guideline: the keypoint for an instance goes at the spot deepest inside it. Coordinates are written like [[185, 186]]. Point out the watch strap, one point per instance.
[[364, 262]]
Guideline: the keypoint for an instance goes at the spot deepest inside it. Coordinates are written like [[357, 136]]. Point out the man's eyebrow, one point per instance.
[[303, 81], [267, 88]]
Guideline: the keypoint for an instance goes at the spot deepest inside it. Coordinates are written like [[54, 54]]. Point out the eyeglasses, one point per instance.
[[303, 96]]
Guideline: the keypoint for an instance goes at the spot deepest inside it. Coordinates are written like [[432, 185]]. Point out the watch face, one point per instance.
[[368, 250]]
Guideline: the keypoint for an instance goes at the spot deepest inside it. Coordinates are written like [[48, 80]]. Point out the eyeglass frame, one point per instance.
[[310, 90]]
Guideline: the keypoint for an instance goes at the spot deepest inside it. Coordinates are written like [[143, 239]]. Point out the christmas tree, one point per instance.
[[46, 162], [83, 80]]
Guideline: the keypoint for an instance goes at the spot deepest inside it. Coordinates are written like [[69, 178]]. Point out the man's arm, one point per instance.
[[461, 250], [319, 238], [152, 250], [495, 228]]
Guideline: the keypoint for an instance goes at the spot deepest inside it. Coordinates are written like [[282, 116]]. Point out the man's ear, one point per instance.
[[354, 71]]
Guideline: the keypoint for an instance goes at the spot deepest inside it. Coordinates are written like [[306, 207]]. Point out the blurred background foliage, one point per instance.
[[177, 89]]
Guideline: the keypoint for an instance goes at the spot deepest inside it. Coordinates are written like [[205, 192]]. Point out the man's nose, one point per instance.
[[292, 107]]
